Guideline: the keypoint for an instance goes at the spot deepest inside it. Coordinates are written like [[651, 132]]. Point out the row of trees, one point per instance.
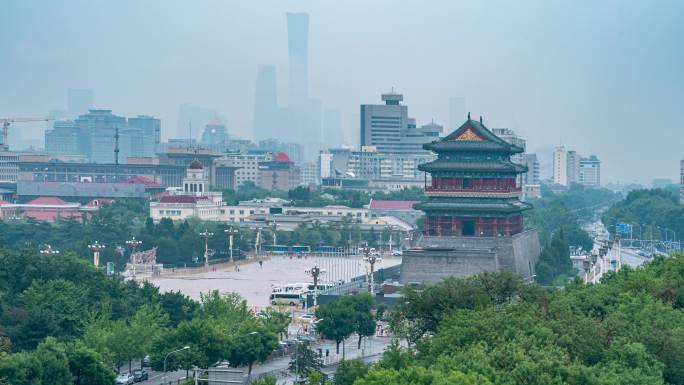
[[497, 329], [559, 217], [649, 212], [304, 196]]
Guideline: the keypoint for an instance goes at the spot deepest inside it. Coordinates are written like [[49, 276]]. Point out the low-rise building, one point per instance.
[[400, 209], [278, 174]]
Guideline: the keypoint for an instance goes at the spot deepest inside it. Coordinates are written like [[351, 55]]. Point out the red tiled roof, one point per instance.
[[281, 157], [3, 202], [391, 205], [50, 215], [178, 199], [47, 201]]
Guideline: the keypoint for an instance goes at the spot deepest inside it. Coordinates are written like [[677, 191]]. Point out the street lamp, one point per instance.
[[133, 243], [371, 260], [315, 272], [206, 234], [47, 249], [96, 247], [170, 353], [231, 232], [275, 227], [301, 328]]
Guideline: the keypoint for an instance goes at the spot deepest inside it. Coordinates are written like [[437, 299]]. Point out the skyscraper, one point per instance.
[[298, 58], [560, 166], [79, 101], [456, 112], [266, 123], [388, 127]]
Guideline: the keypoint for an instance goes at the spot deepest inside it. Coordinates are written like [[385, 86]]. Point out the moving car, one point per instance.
[[124, 379], [140, 375], [306, 317]]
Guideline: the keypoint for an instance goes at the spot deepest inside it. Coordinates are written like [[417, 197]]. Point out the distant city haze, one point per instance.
[[599, 77]]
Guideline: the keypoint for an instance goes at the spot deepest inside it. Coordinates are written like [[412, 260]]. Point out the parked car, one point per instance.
[[124, 379], [308, 317], [140, 375], [396, 253]]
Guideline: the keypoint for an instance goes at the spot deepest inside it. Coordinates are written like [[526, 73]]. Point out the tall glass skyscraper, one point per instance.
[[298, 59]]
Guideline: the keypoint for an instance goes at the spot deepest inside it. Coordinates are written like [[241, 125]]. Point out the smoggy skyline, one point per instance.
[[601, 78]]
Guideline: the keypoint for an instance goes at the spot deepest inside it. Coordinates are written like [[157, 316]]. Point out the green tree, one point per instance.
[[335, 322], [349, 371], [249, 347], [86, 366], [304, 361]]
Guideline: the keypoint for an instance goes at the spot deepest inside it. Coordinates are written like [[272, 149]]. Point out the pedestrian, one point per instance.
[[261, 263]]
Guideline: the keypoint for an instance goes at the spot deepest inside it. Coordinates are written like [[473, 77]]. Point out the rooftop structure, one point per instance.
[[473, 215]]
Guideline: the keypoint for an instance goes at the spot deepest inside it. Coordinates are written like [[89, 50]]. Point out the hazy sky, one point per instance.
[[601, 77]]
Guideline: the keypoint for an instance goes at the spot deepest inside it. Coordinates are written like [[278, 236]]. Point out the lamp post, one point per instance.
[[96, 247], [275, 226], [371, 260], [301, 328], [231, 232], [257, 242], [206, 234], [133, 243], [170, 353], [315, 272], [47, 249]]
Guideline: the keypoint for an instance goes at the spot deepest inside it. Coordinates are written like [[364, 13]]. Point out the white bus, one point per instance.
[[292, 299]]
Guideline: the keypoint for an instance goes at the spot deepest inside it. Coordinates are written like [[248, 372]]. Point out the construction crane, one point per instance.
[[7, 121]]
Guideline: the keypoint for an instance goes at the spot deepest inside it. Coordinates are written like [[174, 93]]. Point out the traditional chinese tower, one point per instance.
[[473, 215]]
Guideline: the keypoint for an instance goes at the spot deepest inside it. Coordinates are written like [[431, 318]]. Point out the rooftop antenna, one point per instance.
[[116, 146]]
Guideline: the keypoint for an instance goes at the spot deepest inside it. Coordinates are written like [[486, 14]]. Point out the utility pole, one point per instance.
[[371, 260], [257, 242], [96, 247], [230, 231], [133, 243], [275, 226], [206, 234], [315, 272], [116, 146]]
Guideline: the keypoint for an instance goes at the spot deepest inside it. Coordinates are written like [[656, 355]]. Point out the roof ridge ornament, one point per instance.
[[468, 115]]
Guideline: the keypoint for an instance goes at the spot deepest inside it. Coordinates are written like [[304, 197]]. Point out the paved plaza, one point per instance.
[[254, 282]]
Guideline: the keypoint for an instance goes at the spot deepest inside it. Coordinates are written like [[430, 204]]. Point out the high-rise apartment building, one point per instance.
[[590, 171], [388, 128], [266, 122], [456, 112], [151, 134], [560, 166], [573, 165], [247, 166]]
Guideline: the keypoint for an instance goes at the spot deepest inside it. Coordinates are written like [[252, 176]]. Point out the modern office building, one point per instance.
[[150, 128], [278, 174], [560, 166], [97, 134], [62, 138], [8, 167], [325, 165], [388, 128], [298, 59], [215, 136], [246, 166], [309, 174], [573, 164], [590, 171], [266, 122], [531, 183]]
